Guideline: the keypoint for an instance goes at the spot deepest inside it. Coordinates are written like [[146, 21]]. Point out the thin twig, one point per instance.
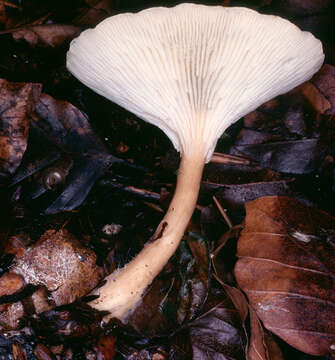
[[219, 158], [9, 4], [223, 213], [153, 206]]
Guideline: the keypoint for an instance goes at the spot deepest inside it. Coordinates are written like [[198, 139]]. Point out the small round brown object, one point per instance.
[[53, 177]]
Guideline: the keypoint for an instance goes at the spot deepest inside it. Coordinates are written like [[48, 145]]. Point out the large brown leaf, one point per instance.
[[286, 267]]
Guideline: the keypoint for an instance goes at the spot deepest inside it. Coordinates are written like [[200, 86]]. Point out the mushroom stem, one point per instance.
[[125, 287]]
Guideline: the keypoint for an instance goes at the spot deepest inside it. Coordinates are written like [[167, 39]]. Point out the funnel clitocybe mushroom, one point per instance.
[[192, 70]]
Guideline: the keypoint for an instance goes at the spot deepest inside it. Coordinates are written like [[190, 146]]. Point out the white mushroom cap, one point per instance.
[[193, 70]]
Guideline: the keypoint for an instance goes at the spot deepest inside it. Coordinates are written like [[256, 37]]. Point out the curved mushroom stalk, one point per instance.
[[191, 70], [125, 287]]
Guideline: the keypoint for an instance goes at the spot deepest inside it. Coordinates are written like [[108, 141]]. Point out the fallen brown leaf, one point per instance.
[[10, 283], [105, 347], [59, 262], [11, 313], [320, 90], [43, 353], [47, 35], [286, 267], [17, 102], [262, 346], [3, 15], [94, 12]]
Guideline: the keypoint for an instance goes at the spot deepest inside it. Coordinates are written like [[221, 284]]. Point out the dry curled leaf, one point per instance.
[[286, 267], [17, 102]]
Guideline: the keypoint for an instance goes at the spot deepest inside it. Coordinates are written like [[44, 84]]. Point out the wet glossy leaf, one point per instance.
[[17, 102], [286, 267]]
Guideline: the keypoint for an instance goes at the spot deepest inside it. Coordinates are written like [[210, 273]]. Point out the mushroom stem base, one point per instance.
[[125, 287]]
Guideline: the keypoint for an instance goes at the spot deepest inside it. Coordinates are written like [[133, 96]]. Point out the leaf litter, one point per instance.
[[72, 164]]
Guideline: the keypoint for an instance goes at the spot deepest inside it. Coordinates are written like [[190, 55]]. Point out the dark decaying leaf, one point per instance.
[[297, 157], [224, 174], [17, 102], [59, 262], [94, 12], [251, 137], [194, 270], [178, 294], [2, 13], [67, 129], [5, 261], [66, 126], [235, 196], [320, 90], [31, 165], [43, 353], [48, 35], [217, 334], [83, 175], [286, 267], [148, 318], [65, 323]]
